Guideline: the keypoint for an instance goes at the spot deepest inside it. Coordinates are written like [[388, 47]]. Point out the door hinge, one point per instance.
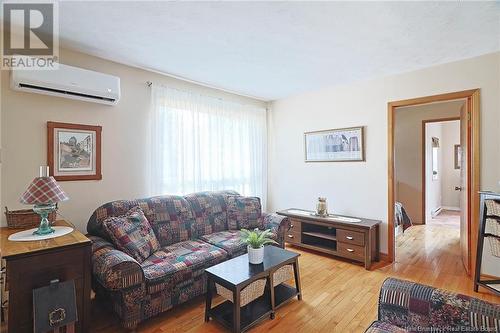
[[468, 116]]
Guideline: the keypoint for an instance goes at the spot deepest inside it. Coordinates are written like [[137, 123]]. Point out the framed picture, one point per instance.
[[74, 151], [335, 145], [458, 156]]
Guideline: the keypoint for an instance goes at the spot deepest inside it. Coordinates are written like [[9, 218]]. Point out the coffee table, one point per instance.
[[235, 275]]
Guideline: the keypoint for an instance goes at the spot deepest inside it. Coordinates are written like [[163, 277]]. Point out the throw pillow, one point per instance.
[[244, 213], [132, 234]]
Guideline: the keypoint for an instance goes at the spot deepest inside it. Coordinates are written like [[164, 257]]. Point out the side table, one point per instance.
[[29, 265]]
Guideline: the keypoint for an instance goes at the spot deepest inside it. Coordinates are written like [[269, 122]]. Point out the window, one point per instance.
[[202, 143]]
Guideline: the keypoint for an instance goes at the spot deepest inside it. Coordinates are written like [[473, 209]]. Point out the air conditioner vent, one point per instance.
[[69, 82], [23, 85]]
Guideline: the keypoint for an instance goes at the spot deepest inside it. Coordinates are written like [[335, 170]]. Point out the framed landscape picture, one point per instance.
[[74, 151], [335, 145]]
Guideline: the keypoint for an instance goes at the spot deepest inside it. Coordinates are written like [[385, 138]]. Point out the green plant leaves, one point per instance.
[[257, 238]]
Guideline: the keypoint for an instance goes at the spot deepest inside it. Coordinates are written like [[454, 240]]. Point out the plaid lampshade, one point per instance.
[[43, 190]]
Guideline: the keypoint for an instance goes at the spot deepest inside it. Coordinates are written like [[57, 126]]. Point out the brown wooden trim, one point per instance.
[[472, 97], [489, 277], [50, 150], [384, 257], [390, 176], [433, 98], [474, 111], [424, 176]]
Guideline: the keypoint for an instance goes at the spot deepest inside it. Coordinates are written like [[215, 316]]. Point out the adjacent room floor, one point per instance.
[[338, 296], [446, 218]]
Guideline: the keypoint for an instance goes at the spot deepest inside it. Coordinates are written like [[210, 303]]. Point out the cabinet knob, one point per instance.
[[349, 237], [291, 225], [350, 250], [290, 236]]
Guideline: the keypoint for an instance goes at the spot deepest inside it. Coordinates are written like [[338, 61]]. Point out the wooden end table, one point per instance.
[[236, 274], [30, 265]]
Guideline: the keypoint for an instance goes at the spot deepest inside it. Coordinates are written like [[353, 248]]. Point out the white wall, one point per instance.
[[432, 186], [124, 136], [450, 198], [360, 188], [408, 151]]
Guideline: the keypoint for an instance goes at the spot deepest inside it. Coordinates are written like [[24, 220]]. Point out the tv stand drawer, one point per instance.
[[351, 237], [351, 251]]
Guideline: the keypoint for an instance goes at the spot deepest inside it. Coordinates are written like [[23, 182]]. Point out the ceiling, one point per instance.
[[272, 50]]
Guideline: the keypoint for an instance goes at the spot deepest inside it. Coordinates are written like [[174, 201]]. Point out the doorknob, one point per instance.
[[458, 188]]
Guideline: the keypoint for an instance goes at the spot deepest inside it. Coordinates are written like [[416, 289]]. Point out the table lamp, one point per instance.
[[44, 193]]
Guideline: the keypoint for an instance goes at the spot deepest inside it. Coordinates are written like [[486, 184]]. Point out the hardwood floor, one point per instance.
[[337, 295], [446, 218]]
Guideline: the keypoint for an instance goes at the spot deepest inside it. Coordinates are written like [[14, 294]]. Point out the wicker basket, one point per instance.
[[251, 292], [492, 208], [283, 274], [25, 218], [493, 228]]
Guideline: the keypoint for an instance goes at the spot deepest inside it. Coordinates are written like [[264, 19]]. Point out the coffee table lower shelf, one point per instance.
[[283, 293], [255, 311]]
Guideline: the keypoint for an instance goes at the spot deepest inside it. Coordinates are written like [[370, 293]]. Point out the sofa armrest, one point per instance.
[[112, 268], [278, 224], [433, 309]]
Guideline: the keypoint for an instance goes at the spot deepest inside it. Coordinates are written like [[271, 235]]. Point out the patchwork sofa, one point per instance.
[[406, 306], [194, 232]]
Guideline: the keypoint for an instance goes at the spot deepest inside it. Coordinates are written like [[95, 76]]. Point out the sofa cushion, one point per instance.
[[170, 217], [115, 208], [210, 212], [229, 240], [179, 263], [383, 327], [244, 213], [132, 234]]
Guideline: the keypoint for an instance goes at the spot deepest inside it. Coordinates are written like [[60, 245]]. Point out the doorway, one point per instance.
[[469, 133], [441, 169]]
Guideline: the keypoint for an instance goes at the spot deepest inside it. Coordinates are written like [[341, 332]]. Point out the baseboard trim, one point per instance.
[[489, 277]]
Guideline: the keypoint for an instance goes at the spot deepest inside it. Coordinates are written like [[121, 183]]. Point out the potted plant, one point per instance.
[[256, 240]]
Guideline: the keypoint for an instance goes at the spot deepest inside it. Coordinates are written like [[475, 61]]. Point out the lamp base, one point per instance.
[[44, 210], [43, 231]]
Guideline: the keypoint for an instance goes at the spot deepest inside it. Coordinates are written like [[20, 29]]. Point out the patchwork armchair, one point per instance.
[[406, 306], [194, 232]]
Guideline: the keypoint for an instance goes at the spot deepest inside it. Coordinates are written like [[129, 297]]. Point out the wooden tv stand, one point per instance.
[[343, 236]]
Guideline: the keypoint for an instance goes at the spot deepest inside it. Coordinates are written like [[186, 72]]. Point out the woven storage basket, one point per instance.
[[251, 292], [25, 218], [492, 208], [283, 274], [493, 228]]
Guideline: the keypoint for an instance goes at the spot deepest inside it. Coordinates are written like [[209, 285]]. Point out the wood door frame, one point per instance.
[[472, 96], [424, 157]]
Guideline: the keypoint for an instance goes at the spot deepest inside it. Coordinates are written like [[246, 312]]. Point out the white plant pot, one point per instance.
[[255, 256]]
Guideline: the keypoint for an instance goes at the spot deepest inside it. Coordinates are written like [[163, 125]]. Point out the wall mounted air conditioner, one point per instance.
[[69, 82]]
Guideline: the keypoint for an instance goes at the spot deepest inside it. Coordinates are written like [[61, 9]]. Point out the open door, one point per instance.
[[465, 133]]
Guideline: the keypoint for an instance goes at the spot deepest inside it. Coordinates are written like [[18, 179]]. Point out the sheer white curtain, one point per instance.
[[202, 143]]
